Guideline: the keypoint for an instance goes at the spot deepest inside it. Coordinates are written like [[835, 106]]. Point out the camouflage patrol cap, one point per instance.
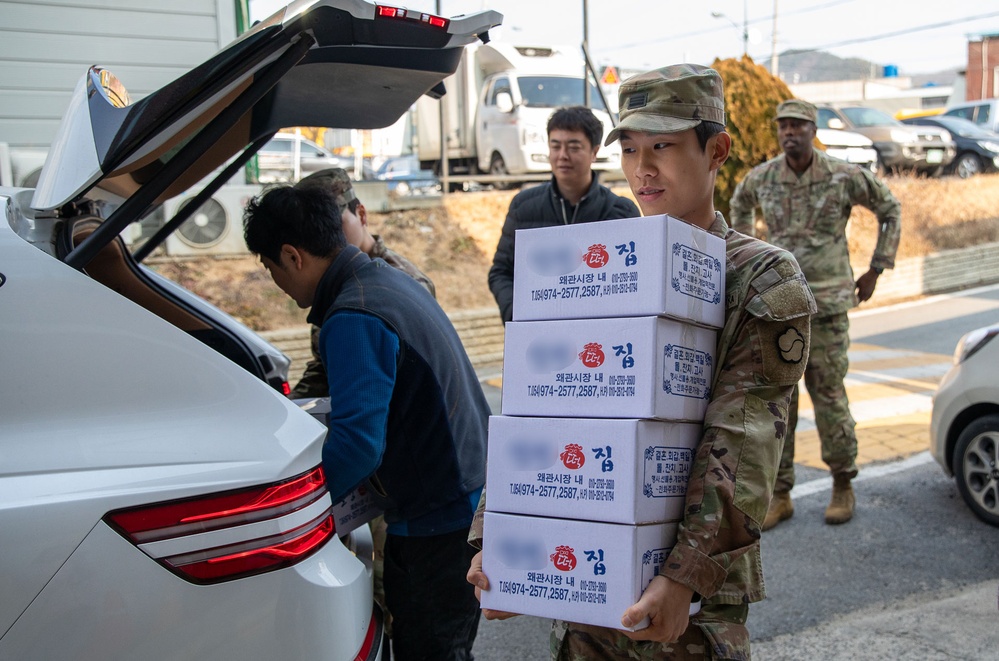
[[334, 180], [670, 100], [797, 109]]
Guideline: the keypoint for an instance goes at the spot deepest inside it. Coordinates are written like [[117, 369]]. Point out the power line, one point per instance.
[[697, 33], [896, 33]]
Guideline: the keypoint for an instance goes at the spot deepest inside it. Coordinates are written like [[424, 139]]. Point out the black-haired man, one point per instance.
[[574, 195], [407, 414]]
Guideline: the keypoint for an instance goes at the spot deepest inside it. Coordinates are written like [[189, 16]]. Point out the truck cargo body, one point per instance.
[[497, 107]]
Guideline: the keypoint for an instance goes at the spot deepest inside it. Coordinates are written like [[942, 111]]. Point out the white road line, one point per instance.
[[866, 473], [876, 409], [857, 377], [863, 355]]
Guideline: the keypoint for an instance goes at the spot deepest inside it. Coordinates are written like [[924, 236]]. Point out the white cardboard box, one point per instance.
[[620, 268], [617, 471], [578, 571], [359, 506], [629, 367]]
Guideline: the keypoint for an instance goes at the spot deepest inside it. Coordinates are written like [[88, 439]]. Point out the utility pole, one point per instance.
[[745, 28], [445, 173], [586, 49], [773, 41], [745, 25]]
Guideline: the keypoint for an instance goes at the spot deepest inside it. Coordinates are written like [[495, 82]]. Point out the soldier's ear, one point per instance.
[[719, 146]]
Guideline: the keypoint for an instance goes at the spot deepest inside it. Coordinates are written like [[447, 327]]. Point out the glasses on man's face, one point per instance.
[[572, 148]]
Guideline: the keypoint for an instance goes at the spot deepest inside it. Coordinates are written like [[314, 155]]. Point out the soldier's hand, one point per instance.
[[865, 285], [667, 604], [476, 577]]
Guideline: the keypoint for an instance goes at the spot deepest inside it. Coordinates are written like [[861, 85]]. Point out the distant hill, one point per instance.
[[796, 66]]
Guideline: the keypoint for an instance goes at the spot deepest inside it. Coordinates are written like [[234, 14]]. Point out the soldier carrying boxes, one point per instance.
[[673, 142]]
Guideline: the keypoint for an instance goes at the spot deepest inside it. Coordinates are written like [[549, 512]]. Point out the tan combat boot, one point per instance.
[[781, 508], [840, 509]]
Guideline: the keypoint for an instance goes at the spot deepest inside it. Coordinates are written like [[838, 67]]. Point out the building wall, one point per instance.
[[983, 68], [46, 46], [888, 94]]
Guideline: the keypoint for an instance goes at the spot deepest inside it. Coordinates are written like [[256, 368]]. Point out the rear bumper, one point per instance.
[[112, 601]]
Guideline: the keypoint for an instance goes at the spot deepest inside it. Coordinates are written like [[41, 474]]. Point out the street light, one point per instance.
[[745, 25]]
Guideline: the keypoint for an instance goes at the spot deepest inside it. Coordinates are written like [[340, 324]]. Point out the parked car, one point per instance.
[[276, 159], [405, 177], [977, 149], [964, 427], [850, 147], [159, 499], [921, 149], [984, 112]]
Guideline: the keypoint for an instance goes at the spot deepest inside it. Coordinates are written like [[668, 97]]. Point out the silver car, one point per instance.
[[964, 429]]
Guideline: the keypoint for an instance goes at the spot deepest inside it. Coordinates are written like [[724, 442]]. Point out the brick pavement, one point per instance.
[[890, 392]]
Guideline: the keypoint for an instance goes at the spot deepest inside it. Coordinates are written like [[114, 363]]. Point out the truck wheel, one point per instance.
[[497, 166], [967, 165]]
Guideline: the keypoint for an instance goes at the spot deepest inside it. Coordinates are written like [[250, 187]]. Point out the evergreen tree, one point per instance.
[[751, 99]]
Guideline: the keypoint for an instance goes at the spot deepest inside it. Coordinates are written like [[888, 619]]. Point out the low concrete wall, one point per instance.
[[482, 332], [940, 272]]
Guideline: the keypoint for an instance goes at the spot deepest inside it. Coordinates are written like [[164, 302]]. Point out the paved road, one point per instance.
[[915, 575]]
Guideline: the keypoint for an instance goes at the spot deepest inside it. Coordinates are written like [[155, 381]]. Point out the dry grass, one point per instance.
[[454, 245], [937, 214]]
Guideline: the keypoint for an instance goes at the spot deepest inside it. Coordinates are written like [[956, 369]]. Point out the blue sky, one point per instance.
[[644, 34]]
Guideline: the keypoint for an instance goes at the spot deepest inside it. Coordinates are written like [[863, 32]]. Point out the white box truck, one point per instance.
[[497, 107]]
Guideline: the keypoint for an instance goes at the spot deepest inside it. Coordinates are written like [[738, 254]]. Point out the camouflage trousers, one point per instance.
[[716, 633], [827, 367]]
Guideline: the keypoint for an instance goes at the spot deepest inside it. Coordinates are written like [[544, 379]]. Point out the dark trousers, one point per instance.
[[435, 614]]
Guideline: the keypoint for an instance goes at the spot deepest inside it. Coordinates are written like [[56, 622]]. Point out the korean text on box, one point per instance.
[[620, 268], [618, 471], [637, 367], [578, 571]]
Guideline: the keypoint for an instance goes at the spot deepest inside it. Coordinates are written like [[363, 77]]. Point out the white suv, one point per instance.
[[158, 499]]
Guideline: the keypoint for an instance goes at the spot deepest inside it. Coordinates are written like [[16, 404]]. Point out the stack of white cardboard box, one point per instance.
[[603, 403]]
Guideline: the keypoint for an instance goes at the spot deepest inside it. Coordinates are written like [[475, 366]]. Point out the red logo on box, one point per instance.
[[563, 559], [573, 456], [591, 355], [596, 256]]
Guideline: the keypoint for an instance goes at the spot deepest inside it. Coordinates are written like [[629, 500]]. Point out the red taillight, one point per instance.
[[285, 388], [233, 534], [384, 11], [238, 560]]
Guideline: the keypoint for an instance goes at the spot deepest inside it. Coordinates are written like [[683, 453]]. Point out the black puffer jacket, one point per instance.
[[543, 206]]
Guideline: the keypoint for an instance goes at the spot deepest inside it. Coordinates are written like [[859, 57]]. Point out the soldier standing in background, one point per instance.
[[806, 198]]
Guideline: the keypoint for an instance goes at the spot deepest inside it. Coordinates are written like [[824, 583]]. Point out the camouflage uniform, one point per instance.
[[761, 353], [807, 216]]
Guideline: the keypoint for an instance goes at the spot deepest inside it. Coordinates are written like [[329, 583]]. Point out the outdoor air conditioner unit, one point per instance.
[[216, 228]]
